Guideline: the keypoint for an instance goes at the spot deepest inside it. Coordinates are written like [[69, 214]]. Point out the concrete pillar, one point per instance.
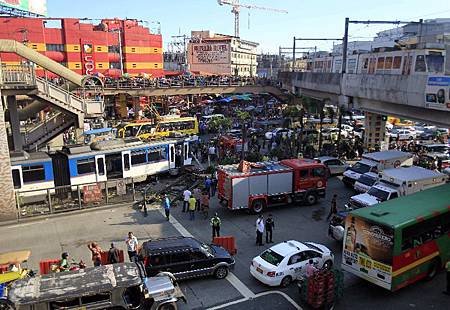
[[15, 123], [375, 131], [7, 202]]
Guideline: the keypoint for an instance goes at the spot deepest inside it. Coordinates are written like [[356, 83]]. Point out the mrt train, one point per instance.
[[36, 173]]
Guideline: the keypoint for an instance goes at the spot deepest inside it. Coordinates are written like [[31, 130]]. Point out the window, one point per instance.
[[85, 166], [138, 157], [186, 154], [394, 195], [420, 64], [303, 174], [311, 254], [16, 178], [33, 173], [435, 63], [197, 255], [172, 153], [155, 65], [318, 172], [55, 47], [154, 155], [134, 65], [155, 50], [366, 63], [114, 49], [76, 48], [101, 166], [397, 62], [99, 48], [126, 162], [388, 63], [133, 49], [180, 257], [34, 46], [296, 258], [114, 65], [101, 297], [380, 63], [157, 259], [272, 257], [100, 66], [77, 66]]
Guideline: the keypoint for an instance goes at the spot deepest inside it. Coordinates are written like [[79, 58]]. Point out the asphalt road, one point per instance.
[[48, 238]]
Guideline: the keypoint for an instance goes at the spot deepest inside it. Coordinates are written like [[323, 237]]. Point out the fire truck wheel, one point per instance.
[[258, 206], [311, 198]]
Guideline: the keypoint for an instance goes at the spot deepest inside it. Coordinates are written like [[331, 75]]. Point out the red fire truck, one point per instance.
[[264, 184]]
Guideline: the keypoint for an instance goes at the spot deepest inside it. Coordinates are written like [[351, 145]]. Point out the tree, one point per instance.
[[220, 124]]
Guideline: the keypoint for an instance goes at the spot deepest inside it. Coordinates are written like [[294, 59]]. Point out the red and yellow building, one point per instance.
[[87, 48]]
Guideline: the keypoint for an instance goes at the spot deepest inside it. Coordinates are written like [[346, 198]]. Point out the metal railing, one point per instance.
[[22, 74], [75, 197]]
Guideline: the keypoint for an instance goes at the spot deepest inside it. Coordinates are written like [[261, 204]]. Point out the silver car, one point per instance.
[[335, 165]]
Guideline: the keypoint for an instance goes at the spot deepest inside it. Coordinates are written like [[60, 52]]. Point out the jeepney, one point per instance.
[[123, 285]]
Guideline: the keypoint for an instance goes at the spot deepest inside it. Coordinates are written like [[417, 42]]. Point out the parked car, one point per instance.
[[427, 134], [335, 165], [278, 131], [185, 258], [328, 132], [285, 262]]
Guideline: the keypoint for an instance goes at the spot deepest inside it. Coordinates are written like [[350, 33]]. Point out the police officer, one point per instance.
[[270, 225], [215, 224]]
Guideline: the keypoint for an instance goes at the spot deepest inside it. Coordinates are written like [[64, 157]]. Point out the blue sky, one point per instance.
[[306, 18]]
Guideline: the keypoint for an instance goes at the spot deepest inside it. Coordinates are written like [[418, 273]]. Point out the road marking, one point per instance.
[[237, 284]]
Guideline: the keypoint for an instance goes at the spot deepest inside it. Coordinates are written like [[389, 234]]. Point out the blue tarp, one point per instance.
[[97, 131]]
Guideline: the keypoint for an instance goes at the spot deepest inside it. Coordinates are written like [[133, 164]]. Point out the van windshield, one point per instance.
[[272, 257], [360, 168], [378, 193], [367, 180]]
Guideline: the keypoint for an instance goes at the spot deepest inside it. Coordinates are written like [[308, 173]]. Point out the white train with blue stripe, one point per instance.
[[35, 173]]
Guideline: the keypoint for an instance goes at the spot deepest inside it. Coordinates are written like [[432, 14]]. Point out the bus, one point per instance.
[[163, 128], [400, 241]]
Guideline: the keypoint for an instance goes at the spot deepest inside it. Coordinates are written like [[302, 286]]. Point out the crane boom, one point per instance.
[[236, 9]]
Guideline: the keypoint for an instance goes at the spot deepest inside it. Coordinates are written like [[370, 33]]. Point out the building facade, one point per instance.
[[217, 54], [112, 48]]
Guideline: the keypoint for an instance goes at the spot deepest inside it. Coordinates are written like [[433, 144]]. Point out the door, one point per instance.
[[187, 160], [100, 168], [303, 180], [316, 257], [407, 60], [126, 164], [201, 265], [17, 177], [179, 264], [172, 156], [296, 265]]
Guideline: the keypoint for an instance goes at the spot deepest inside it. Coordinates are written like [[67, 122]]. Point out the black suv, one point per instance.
[[185, 258]]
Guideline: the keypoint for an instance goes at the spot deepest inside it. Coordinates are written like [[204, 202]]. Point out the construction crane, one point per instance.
[[236, 9]]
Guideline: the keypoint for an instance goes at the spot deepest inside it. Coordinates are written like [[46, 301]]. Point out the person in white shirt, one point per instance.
[[186, 196], [259, 230], [132, 246], [212, 153]]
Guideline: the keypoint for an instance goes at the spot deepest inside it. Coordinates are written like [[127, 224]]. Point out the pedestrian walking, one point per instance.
[[333, 209], [186, 195], [259, 230], [208, 185], [205, 204], [215, 224], [132, 246], [197, 193], [166, 205], [447, 268], [270, 225], [113, 255], [192, 205], [213, 186], [96, 251]]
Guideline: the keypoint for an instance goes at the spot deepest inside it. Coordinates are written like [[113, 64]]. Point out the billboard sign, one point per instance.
[[437, 92], [34, 6], [87, 53], [368, 250], [210, 53]]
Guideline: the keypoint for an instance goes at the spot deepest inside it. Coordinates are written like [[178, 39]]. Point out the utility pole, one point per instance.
[[345, 47], [293, 55]]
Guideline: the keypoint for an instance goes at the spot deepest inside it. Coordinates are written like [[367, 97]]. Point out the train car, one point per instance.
[[32, 175]]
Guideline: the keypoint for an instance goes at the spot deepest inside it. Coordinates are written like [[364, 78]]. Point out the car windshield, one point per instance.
[[360, 168], [206, 249], [272, 257], [367, 180], [378, 193]]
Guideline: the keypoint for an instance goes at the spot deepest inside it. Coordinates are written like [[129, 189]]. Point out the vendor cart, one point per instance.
[[323, 289]]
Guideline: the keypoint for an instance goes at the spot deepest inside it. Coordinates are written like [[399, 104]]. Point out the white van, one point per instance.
[[366, 181], [376, 162]]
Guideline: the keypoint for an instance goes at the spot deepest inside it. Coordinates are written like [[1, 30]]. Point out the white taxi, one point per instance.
[[286, 261]]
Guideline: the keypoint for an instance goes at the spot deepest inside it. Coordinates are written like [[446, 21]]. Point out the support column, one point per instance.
[[15, 123], [7, 203], [375, 131]]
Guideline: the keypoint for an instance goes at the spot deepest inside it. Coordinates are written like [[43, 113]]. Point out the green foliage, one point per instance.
[[219, 124], [243, 115]]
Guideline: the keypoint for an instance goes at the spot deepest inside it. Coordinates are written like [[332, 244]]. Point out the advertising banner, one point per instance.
[[368, 249], [210, 53], [437, 92], [87, 54], [33, 6]]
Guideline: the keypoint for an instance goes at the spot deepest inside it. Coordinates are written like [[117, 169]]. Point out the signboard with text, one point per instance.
[[210, 53], [87, 54], [34, 6], [437, 92], [368, 250]]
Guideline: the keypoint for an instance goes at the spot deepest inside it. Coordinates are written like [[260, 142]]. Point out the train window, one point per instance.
[[101, 166], [380, 63], [435, 63], [85, 166], [366, 63], [126, 162], [138, 157], [131, 131], [154, 155], [388, 63], [16, 178], [33, 173], [420, 64], [397, 63]]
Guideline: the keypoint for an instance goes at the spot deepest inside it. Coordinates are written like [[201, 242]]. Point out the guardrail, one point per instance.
[[75, 197], [22, 74]]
